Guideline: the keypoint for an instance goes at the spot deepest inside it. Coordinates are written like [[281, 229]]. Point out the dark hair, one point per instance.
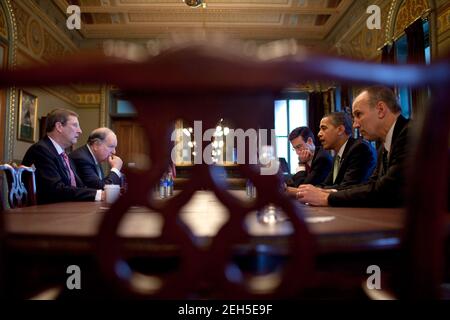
[[304, 132], [98, 135], [58, 115], [385, 94], [341, 119]]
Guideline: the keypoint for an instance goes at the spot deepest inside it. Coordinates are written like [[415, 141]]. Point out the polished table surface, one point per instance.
[[74, 225]]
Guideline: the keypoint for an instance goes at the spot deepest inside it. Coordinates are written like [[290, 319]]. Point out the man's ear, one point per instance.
[[58, 126], [309, 141], [381, 108]]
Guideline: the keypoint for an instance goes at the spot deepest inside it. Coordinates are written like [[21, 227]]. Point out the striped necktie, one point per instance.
[[337, 164], [73, 182]]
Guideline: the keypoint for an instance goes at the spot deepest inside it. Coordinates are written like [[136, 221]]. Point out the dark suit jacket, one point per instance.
[[357, 164], [87, 170], [52, 178], [382, 190], [321, 165]]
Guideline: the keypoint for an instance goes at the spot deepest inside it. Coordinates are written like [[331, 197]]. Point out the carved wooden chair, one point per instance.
[[21, 185]]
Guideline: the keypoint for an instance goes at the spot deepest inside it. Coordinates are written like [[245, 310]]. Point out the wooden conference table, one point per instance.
[[73, 226]]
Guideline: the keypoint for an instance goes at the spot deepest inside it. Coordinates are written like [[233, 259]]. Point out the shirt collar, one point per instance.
[[388, 140], [58, 148], [341, 150], [92, 154]]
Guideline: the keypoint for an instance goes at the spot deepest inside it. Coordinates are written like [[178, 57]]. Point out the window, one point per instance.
[[426, 33], [289, 114], [124, 107], [404, 94], [401, 47]]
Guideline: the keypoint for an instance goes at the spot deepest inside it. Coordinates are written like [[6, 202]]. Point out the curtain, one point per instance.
[[416, 42], [388, 54], [416, 55], [345, 98], [316, 110]]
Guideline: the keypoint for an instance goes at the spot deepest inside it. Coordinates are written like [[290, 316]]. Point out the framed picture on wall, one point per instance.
[[28, 104]]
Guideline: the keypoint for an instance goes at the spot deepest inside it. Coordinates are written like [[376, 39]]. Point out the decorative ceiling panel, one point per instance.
[[247, 19]]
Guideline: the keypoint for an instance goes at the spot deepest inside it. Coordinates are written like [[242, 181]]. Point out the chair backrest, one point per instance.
[[422, 272], [21, 185]]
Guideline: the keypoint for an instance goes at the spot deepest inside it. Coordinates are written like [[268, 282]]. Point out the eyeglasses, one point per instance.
[[298, 147]]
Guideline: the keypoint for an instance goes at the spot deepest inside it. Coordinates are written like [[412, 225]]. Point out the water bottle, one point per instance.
[[249, 188], [163, 187], [123, 184], [169, 184]]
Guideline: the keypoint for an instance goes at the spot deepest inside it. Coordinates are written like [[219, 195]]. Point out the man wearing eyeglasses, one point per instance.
[[314, 163]]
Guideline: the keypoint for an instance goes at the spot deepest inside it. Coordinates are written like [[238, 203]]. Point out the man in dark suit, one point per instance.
[[354, 159], [56, 178], [314, 162], [101, 146], [377, 115]]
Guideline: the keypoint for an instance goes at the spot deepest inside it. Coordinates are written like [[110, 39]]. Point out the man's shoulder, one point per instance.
[[401, 133], [323, 154], [41, 146], [358, 145], [36, 150], [80, 153], [402, 126]]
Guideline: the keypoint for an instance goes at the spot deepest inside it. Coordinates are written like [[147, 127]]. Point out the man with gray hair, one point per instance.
[[100, 147]]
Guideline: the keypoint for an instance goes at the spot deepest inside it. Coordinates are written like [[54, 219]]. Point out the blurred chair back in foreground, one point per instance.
[[21, 185]]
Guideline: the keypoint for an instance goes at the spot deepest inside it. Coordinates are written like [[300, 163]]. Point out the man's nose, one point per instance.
[[356, 124]]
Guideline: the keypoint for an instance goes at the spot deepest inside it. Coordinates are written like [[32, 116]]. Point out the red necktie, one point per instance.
[[72, 176]]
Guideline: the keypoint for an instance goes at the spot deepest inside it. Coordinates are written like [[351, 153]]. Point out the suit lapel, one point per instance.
[[97, 167], [59, 160], [344, 158], [399, 125]]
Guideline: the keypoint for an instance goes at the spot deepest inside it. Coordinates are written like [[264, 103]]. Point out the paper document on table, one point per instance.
[[320, 219]]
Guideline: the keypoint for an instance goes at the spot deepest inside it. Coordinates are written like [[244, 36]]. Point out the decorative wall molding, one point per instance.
[[3, 26], [104, 107], [352, 38], [407, 13], [39, 37], [443, 20], [31, 9], [88, 99], [11, 93]]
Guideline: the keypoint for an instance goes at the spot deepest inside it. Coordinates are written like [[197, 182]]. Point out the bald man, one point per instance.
[[100, 147]]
